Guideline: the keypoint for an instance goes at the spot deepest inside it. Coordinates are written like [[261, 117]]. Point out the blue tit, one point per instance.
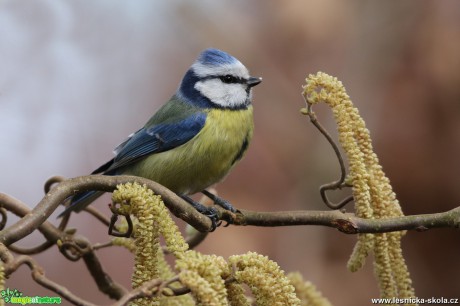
[[196, 138]]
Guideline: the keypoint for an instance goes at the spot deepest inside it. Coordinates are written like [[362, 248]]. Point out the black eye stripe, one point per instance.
[[228, 79]]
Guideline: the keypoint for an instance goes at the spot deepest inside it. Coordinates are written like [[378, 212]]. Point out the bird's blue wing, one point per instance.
[[157, 138], [173, 125]]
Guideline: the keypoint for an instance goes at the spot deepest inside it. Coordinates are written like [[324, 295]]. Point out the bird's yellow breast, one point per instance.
[[206, 158]]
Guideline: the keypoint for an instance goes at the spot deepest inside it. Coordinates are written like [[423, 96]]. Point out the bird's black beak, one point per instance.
[[252, 81]]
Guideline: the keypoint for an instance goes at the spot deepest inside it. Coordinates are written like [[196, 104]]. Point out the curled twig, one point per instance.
[[51, 181], [112, 227], [12, 264], [340, 183], [71, 250]]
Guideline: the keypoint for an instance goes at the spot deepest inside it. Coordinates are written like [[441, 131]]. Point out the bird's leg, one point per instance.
[[219, 201], [210, 212]]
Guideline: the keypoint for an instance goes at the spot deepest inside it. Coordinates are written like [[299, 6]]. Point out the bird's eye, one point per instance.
[[229, 79]]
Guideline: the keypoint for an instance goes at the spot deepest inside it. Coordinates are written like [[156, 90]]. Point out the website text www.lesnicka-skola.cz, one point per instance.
[[419, 301]]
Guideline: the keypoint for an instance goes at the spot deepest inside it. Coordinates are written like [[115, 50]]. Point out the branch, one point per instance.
[[80, 245], [20, 209], [65, 189], [152, 288], [346, 222], [148, 289], [38, 275]]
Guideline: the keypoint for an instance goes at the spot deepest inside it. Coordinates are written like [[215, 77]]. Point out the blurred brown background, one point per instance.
[[78, 76]]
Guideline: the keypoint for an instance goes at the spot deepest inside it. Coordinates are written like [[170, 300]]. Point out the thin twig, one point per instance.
[[152, 288], [97, 214], [99, 246], [75, 248], [196, 239], [103, 280], [147, 289], [4, 218], [33, 250]]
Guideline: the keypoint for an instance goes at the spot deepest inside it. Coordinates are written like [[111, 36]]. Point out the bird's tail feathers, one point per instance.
[[80, 201]]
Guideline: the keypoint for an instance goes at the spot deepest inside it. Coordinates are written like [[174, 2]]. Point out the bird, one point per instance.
[[195, 139]]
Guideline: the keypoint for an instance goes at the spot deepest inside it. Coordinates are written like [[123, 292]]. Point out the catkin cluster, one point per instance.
[[211, 279], [372, 192], [152, 219]]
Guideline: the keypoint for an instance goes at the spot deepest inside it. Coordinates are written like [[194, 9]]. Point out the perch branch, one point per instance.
[[346, 222], [64, 189]]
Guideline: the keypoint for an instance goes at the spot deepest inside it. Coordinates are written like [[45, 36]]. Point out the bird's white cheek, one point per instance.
[[226, 95]]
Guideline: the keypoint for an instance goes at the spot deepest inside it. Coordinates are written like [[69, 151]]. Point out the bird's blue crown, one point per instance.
[[215, 57]]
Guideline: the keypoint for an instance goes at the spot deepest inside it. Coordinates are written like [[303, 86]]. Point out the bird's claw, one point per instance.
[[209, 212], [212, 214]]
